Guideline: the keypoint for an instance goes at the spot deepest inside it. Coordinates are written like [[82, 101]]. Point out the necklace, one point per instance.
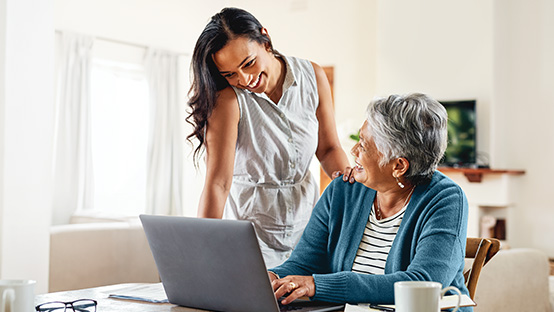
[[378, 210]]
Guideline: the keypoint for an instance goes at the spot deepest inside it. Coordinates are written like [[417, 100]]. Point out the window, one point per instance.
[[119, 127]]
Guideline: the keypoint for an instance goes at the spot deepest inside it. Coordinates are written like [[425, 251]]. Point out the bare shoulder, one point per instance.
[[321, 77], [226, 105], [226, 96], [318, 69]]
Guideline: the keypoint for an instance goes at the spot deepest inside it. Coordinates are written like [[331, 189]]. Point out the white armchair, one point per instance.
[[514, 280], [97, 254]]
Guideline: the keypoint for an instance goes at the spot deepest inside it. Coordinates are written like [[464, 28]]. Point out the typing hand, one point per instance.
[[272, 276], [293, 287]]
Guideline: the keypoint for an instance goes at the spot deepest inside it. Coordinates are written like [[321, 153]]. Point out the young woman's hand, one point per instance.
[[347, 174]]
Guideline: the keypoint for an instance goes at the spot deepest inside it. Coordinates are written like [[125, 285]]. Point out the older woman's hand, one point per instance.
[[272, 276], [295, 285], [347, 176]]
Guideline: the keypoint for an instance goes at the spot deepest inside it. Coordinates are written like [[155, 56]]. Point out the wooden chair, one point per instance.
[[481, 250]]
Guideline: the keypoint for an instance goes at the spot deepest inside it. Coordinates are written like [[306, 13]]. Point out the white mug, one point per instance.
[[420, 296], [17, 295]]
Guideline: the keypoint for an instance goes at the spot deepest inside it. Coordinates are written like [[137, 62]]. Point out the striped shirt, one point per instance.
[[376, 243]]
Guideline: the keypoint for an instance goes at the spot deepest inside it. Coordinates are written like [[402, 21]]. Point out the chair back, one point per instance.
[[481, 250]]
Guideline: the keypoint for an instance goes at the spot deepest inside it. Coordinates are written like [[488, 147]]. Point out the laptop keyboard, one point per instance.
[[307, 305], [286, 307]]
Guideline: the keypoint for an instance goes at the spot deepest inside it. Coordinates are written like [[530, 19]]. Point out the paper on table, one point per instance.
[[144, 292], [447, 302], [450, 301], [362, 307]]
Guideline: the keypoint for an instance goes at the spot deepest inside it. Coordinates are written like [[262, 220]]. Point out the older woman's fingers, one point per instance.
[[336, 174], [295, 294], [294, 287], [275, 284], [272, 276], [283, 286]]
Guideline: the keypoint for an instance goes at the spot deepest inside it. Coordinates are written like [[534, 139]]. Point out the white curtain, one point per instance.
[[72, 144], [165, 143]]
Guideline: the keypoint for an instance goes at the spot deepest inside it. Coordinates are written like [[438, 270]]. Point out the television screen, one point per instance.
[[462, 147]]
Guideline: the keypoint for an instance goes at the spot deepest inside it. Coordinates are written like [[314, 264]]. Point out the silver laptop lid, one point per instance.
[[209, 263]]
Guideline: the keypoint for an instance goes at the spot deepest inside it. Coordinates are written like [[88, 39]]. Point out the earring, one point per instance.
[[399, 183]]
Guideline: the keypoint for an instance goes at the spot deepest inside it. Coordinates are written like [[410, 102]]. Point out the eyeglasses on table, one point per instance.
[[81, 305]]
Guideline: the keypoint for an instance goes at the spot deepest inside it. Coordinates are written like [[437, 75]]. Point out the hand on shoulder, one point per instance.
[[347, 174]]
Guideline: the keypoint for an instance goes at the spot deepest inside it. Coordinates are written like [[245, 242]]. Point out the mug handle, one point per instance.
[[8, 297], [459, 294]]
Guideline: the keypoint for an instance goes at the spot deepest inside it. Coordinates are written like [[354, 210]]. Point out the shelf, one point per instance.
[[476, 174]]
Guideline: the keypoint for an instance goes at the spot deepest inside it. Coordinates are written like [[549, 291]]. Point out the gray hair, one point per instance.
[[412, 126]]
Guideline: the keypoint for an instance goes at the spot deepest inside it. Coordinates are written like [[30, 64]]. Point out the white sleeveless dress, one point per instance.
[[272, 185]]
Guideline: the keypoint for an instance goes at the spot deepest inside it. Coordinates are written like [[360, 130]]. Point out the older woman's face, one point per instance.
[[245, 64], [367, 169]]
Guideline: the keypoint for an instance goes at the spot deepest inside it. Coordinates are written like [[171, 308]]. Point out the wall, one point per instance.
[[523, 109], [27, 48], [442, 48], [166, 24], [2, 116]]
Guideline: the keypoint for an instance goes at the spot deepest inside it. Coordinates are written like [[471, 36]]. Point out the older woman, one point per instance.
[[402, 221]]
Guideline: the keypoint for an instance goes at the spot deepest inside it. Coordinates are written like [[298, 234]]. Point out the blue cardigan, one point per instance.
[[429, 245]]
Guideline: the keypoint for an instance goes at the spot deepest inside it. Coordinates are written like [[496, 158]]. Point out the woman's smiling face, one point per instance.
[[245, 64], [367, 170]]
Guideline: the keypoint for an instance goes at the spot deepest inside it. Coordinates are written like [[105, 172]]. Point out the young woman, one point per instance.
[[260, 116]]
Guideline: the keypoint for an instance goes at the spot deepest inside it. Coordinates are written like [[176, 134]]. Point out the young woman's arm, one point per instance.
[[329, 151], [221, 138]]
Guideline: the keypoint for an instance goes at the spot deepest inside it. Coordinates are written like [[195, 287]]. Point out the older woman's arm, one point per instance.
[[327, 238], [353, 287], [429, 245]]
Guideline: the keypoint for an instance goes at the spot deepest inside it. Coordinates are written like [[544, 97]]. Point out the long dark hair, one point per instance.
[[226, 25]]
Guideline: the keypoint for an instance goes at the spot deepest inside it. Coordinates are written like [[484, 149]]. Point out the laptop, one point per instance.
[[215, 265]]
